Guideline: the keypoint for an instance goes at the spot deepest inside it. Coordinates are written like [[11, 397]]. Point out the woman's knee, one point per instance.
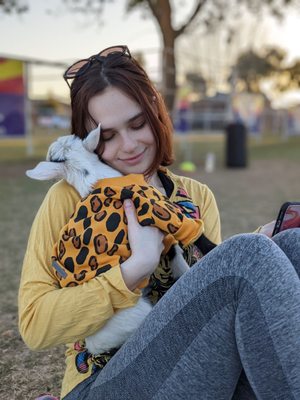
[[288, 236], [289, 242], [247, 243], [240, 254], [259, 257]]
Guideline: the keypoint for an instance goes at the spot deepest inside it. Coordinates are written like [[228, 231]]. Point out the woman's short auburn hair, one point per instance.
[[126, 74]]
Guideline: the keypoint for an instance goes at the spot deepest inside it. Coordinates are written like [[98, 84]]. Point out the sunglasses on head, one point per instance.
[[81, 66]]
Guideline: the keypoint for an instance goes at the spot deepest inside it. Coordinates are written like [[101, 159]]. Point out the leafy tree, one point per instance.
[[252, 68], [290, 77], [197, 83]]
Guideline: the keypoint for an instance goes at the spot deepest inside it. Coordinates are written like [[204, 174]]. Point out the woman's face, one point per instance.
[[129, 144]]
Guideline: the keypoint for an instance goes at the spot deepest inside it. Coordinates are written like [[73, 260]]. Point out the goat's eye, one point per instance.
[[57, 160]]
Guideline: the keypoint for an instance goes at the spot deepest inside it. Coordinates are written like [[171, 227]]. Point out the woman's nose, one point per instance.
[[128, 143]]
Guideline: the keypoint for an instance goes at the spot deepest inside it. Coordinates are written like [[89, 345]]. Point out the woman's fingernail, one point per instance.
[[127, 203]]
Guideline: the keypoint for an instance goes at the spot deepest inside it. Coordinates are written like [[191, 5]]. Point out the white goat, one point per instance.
[[74, 160]]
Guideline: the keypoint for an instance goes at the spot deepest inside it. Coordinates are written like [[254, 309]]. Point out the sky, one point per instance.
[[66, 37]]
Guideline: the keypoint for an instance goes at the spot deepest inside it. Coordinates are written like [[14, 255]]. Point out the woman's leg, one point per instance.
[[289, 242], [238, 307]]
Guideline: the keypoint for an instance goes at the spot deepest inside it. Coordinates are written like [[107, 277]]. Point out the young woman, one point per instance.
[[227, 329]]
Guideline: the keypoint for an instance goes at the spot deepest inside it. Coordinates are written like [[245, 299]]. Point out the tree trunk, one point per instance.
[[169, 70], [162, 12]]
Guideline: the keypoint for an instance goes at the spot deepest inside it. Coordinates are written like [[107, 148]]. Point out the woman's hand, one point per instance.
[[267, 229], [146, 244]]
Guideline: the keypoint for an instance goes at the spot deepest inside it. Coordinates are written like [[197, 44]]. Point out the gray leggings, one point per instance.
[[228, 329]]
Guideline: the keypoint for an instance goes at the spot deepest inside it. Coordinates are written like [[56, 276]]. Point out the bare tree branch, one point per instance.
[[198, 8], [13, 6]]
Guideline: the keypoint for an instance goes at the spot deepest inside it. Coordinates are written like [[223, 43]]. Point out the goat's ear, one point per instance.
[[46, 170], [92, 140]]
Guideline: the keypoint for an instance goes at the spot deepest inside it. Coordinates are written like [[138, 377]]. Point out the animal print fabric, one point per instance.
[[95, 239]]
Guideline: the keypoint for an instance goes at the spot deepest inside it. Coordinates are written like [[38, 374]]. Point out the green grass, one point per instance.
[[15, 149], [269, 148], [276, 149]]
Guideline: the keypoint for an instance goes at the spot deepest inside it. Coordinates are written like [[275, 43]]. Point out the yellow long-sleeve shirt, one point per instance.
[[50, 315]]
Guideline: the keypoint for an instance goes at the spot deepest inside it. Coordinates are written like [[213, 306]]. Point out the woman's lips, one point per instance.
[[134, 160]]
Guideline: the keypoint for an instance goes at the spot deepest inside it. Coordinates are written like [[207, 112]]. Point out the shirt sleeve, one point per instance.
[[204, 198], [211, 216], [50, 315]]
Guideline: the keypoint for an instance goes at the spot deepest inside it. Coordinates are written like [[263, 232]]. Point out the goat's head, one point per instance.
[[67, 157]]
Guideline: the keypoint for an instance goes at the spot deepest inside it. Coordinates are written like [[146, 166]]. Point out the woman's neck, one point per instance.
[[156, 182]]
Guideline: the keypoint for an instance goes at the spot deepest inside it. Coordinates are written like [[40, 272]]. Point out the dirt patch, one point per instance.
[[25, 374]]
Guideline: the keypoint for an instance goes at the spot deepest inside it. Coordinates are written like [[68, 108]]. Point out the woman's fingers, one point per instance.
[[145, 241], [267, 229], [130, 213]]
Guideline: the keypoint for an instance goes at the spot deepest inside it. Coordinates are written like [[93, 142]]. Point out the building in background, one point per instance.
[[206, 114], [51, 113]]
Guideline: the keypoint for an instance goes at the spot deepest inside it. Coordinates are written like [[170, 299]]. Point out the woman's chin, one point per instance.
[[134, 169]]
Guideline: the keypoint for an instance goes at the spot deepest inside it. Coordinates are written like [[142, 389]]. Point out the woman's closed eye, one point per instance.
[[108, 135], [138, 124], [135, 125]]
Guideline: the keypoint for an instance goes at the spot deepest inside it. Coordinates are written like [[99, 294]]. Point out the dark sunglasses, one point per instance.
[[81, 66]]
